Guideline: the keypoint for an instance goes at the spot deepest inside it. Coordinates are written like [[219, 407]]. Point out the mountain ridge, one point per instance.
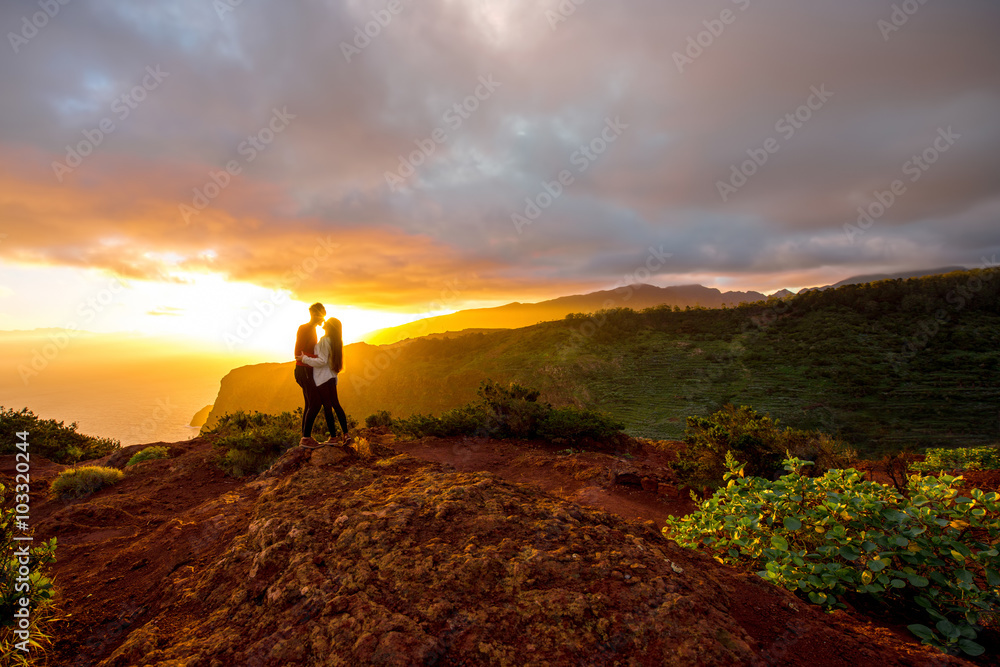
[[516, 314]]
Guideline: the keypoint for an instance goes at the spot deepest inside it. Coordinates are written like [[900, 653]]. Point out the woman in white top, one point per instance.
[[327, 363]]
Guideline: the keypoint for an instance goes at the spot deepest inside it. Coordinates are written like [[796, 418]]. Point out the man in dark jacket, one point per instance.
[[305, 344]]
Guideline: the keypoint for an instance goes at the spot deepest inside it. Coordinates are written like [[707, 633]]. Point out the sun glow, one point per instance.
[[230, 317]]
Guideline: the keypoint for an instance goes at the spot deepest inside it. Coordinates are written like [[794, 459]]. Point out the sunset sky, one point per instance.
[[177, 167]]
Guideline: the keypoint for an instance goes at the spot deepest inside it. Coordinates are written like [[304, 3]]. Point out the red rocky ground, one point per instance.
[[433, 552]]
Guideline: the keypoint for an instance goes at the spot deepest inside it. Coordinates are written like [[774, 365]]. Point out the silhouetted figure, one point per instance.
[[327, 363], [305, 347]]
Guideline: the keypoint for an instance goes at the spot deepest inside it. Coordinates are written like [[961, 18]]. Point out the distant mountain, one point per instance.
[[516, 315], [903, 275]]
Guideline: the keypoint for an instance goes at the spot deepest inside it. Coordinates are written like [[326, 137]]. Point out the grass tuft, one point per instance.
[[81, 482]]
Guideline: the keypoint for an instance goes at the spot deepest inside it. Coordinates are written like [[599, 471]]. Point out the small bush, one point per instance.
[[382, 418], [513, 411], [51, 439], [960, 458], [81, 482], [149, 454], [250, 442], [934, 552], [753, 439], [575, 426]]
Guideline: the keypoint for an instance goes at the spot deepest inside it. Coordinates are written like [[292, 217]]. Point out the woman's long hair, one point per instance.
[[335, 332]]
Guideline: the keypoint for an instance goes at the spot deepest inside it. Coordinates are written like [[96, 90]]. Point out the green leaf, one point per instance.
[[876, 565], [897, 583], [922, 631], [780, 543], [817, 598], [917, 580], [970, 647], [848, 552], [792, 523], [992, 577], [948, 629]]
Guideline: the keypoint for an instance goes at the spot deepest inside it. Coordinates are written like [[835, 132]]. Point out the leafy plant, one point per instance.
[[382, 418], [81, 482], [960, 458], [513, 411], [835, 535], [36, 587], [51, 439], [149, 454], [752, 438], [250, 442]]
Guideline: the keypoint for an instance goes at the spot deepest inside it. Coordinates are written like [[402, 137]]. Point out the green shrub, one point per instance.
[[753, 439], [81, 482], [381, 418], [38, 593], [249, 442], [960, 458], [837, 534], [51, 439], [575, 426], [149, 454], [513, 411]]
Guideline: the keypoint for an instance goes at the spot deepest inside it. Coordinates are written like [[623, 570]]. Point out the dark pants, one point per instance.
[[304, 378], [328, 400]]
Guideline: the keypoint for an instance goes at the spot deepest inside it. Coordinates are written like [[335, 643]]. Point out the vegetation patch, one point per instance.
[[249, 442], [149, 454], [51, 439], [81, 482], [755, 440], [933, 550], [513, 412], [39, 591], [960, 458]]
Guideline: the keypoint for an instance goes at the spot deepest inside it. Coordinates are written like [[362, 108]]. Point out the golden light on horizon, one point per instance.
[[207, 310]]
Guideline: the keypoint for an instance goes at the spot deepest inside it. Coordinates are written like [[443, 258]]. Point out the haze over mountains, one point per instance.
[[637, 297]]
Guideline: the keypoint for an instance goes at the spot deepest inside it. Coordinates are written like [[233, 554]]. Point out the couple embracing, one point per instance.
[[317, 364]]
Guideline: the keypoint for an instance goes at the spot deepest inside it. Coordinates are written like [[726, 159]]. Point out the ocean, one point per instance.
[[135, 391]]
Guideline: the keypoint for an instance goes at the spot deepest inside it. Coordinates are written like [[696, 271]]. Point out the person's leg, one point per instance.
[[304, 378], [335, 401], [326, 401]]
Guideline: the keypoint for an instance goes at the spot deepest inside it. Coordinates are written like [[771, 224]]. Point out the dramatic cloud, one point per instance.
[[384, 150]]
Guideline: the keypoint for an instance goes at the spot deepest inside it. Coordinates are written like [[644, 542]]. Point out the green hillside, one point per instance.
[[886, 364]]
